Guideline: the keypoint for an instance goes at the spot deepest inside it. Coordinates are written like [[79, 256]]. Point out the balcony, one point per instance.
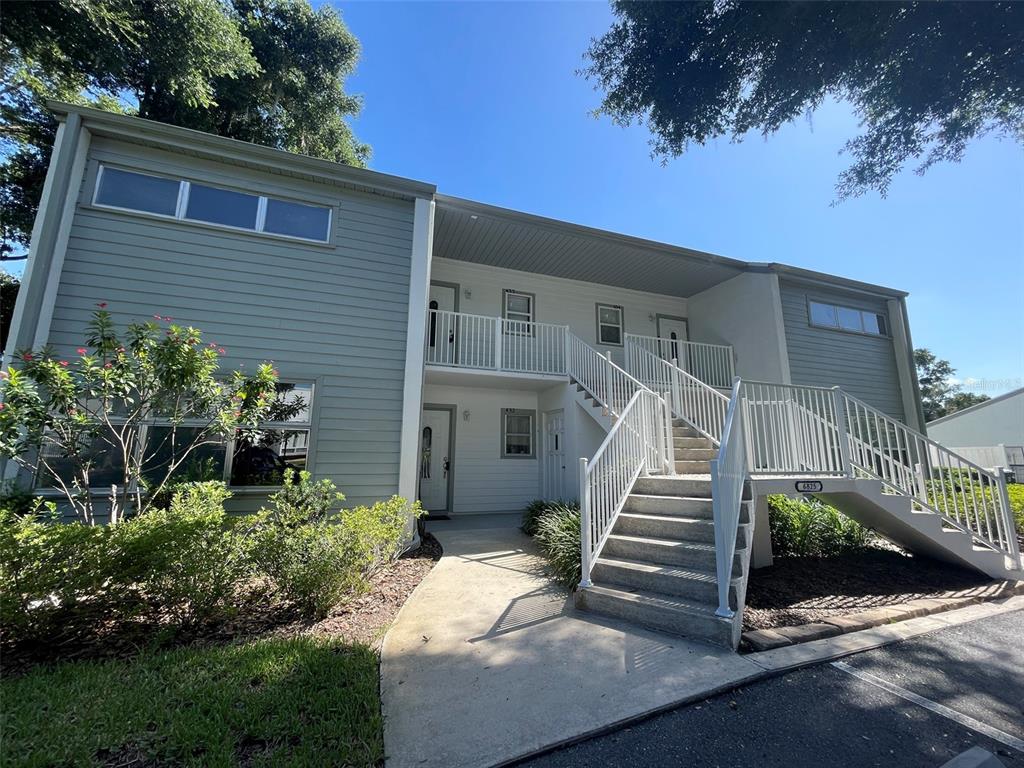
[[461, 340], [457, 340]]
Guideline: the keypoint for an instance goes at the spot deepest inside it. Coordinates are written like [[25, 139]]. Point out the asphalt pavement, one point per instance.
[[915, 703]]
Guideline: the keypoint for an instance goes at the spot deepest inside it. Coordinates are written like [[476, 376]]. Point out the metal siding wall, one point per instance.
[[863, 365], [336, 314]]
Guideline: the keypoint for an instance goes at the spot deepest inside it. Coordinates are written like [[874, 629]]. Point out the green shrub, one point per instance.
[[532, 514], [315, 557], [187, 561], [53, 576], [300, 500], [810, 528], [1016, 494], [558, 537]]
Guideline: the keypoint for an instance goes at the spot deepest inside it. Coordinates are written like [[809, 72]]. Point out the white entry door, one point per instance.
[[435, 460], [672, 331], [441, 326], [554, 454]]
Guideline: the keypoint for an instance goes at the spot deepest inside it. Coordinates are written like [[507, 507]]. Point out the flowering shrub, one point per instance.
[[66, 419]]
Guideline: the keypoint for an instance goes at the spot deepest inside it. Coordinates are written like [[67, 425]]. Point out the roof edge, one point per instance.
[[174, 136], [825, 277], [977, 406]]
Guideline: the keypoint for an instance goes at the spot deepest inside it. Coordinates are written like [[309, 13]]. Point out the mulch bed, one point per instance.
[[363, 619], [804, 590]]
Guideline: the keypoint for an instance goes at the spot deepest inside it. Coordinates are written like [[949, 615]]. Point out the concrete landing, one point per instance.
[[488, 661]]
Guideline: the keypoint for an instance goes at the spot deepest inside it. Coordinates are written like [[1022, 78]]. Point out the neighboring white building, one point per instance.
[[990, 434]]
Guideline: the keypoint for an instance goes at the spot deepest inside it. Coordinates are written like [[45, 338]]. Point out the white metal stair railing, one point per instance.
[[639, 443], [729, 473], [711, 363], [698, 403], [794, 429], [606, 382], [967, 496], [463, 340]]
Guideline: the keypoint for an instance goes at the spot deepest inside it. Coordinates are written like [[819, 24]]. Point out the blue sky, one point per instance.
[[483, 99]]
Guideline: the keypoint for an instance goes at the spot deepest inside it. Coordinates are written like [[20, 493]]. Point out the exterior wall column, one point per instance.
[[412, 398], [903, 349]]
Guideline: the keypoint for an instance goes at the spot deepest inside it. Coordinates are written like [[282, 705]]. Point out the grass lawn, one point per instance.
[[298, 701]]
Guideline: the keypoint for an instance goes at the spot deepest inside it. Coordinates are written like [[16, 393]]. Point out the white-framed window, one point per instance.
[[610, 328], [253, 457], [517, 433], [842, 318], [185, 200], [518, 306]]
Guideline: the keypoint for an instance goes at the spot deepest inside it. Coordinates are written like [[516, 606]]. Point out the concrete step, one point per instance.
[[691, 554], [696, 454], [665, 527], [666, 485], [697, 585], [691, 442], [680, 506], [693, 467], [676, 615], [686, 506], [681, 429]]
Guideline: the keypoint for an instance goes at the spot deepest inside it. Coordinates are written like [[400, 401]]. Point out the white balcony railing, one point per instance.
[[462, 340], [711, 363]]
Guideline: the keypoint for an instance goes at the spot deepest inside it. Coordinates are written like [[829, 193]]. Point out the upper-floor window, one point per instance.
[[609, 324], [192, 201], [519, 310], [847, 319]]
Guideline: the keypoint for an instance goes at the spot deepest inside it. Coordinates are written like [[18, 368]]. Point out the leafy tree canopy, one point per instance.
[[940, 395], [923, 77], [266, 71]]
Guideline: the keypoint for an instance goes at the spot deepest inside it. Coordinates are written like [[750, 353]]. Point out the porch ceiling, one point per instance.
[[468, 231]]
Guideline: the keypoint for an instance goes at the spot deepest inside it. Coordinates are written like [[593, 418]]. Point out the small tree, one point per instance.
[[78, 412]]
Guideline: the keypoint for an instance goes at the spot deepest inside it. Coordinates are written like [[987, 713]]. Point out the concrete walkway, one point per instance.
[[488, 661]]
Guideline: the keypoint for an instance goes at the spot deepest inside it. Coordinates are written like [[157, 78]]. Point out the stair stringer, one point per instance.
[[594, 409], [919, 531]]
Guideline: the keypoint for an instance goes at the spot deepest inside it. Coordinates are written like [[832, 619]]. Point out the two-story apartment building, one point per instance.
[[448, 350]]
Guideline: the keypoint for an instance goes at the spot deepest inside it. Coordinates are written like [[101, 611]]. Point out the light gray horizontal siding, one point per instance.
[[863, 365], [335, 314]]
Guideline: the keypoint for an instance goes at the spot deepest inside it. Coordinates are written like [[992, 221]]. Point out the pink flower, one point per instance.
[[168, 318], [157, 317], [102, 305], [27, 356], [121, 350], [82, 350], [1, 406], [64, 363], [222, 351], [108, 365]]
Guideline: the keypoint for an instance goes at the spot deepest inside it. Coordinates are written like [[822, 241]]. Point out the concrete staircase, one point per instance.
[[657, 568]]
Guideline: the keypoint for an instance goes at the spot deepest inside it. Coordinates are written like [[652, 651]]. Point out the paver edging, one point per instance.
[[780, 637]]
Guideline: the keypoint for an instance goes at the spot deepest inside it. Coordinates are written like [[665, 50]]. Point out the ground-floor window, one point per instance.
[[252, 457], [517, 433]]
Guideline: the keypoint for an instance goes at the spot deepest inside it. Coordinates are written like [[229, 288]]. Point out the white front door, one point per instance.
[[671, 332], [435, 461], [554, 454], [441, 326]]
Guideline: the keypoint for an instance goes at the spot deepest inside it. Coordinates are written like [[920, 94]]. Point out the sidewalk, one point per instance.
[[488, 661]]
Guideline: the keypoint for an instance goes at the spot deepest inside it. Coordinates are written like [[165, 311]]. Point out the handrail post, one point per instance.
[[843, 431], [670, 439], [677, 398], [584, 526], [497, 342], [1009, 525], [608, 381], [723, 567]]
